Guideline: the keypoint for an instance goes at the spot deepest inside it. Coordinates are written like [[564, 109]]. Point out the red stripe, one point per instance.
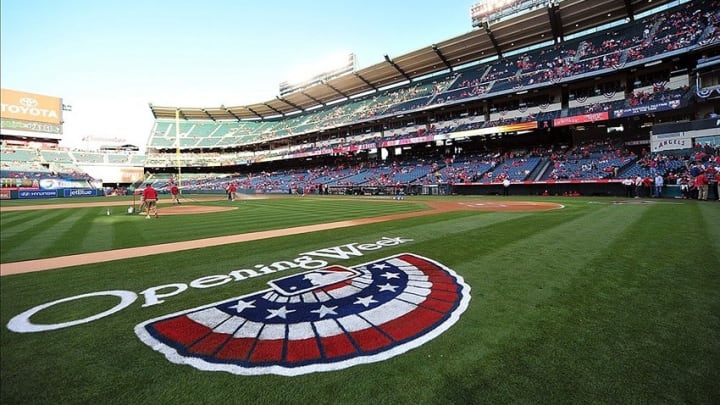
[[435, 275], [411, 323], [437, 305], [210, 343], [267, 350], [445, 286], [443, 295], [336, 346], [300, 350], [440, 279], [181, 330], [414, 260], [370, 339], [236, 349]]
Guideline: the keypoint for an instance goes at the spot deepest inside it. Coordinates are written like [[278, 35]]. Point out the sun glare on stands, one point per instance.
[[319, 69]]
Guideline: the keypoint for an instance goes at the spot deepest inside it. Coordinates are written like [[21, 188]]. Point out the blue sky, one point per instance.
[[109, 59]]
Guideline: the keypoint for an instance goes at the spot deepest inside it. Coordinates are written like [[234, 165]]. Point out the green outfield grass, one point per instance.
[[598, 302]]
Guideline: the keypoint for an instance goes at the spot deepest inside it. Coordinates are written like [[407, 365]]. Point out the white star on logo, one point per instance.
[[380, 266], [323, 310], [242, 305], [281, 312], [389, 275], [365, 301], [388, 287]]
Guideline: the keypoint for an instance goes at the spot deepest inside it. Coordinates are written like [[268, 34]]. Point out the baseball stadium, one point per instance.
[[525, 213]]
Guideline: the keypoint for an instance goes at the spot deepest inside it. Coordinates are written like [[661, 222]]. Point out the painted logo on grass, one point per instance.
[[319, 320]]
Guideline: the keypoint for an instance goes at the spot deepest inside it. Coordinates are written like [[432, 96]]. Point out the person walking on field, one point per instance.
[[231, 190], [175, 191], [150, 197], [142, 202]]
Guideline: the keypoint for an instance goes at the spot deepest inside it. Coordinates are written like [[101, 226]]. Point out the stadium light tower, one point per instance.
[[177, 146], [487, 11]]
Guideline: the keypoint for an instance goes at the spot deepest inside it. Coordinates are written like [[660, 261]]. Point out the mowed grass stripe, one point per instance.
[[39, 230], [670, 303], [710, 213], [530, 267], [514, 288], [74, 227], [23, 224], [99, 234], [616, 326], [15, 220]]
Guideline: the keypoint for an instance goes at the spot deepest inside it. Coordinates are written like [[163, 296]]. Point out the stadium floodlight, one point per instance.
[[486, 11], [303, 76]]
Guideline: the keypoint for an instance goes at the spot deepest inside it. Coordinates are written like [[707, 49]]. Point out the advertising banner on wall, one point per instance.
[[26, 126], [80, 193], [15, 183], [649, 109], [672, 141], [500, 129], [30, 107], [43, 183], [29, 194], [581, 119]]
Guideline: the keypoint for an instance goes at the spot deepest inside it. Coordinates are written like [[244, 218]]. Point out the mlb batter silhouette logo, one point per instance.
[[319, 320]]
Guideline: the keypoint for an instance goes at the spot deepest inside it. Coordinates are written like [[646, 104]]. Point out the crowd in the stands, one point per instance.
[[672, 30]]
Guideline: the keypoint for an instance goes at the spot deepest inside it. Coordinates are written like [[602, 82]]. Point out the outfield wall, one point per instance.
[[20, 194]]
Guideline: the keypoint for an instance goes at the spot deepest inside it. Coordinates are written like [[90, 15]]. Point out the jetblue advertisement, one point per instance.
[[79, 193]]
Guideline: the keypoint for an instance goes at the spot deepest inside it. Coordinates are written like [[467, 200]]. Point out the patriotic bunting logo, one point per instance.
[[705, 93], [318, 320]]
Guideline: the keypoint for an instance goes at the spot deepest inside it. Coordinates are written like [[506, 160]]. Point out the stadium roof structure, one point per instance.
[[555, 20]]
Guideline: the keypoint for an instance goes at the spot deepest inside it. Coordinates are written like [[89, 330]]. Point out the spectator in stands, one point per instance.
[[150, 198]]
